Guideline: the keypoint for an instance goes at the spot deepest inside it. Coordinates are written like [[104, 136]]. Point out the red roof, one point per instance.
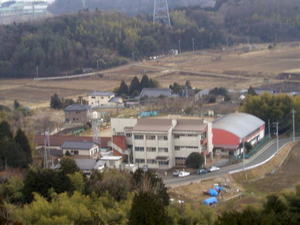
[[58, 140], [120, 141]]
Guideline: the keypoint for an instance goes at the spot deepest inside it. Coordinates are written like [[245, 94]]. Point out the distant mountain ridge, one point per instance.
[[129, 7]]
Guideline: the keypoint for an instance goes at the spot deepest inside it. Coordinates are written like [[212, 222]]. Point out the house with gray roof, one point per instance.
[[155, 93], [234, 128], [100, 98], [77, 113], [88, 165], [82, 149]]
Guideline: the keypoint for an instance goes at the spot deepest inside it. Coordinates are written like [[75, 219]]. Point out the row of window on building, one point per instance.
[[179, 161]]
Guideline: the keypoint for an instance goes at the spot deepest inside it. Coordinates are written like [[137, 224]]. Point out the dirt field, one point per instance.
[[233, 68]]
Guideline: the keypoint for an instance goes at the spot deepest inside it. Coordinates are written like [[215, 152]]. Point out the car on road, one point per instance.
[[201, 171], [213, 169], [183, 174], [176, 173]]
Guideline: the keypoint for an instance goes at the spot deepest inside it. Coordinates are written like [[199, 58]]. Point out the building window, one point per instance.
[[77, 112], [76, 153], [151, 161], [93, 97], [128, 134], [163, 163], [177, 148], [192, 135], [139, 160], [165, 138], [139, 137], [139, 149], [180, 161], [111, 163], [150, 137], [120, 133], [176, 136], [129, 146], [151, 149], [162, 149]]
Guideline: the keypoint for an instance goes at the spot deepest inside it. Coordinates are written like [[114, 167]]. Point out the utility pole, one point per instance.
[[244, 153], [179, 46], [37, 71], [227, 42], [97, 64], [133, 56], [293, 112], [193, 40], [276, 123], [269, 128]]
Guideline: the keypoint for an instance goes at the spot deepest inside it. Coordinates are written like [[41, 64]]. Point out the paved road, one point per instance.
[[260, 157]]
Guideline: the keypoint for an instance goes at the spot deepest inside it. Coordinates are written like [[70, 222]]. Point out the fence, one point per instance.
[[260, 144]]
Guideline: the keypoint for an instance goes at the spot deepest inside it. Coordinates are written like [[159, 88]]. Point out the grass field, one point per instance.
[[232, 68]]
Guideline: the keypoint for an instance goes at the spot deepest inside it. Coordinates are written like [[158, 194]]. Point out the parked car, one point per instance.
[[176, 173], [201, 171], [213, 169], [183, 174]]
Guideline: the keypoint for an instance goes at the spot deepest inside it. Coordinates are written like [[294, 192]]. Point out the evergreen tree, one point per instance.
[[176, 88], [135, 85], [123, 89], [152, 83], [145, 81], [55, 102], [5, 130], [22, 140], [251, 91], [68, 165], [16, 104], [147, 209], [195, 160]]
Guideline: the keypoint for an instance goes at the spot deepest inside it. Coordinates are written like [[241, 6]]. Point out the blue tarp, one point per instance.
[[219, 188], [210, 201], [149, 113], [213, 192]]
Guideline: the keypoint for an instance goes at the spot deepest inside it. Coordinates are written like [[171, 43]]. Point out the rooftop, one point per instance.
[[195, 125], [88, 164], [113, 158], [58, 140], [77, 107], [83, 145], [101, 93], [240, 124], [155, 92], [158, 125]]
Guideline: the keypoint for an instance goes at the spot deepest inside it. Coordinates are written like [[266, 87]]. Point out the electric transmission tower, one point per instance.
[[161, 12]]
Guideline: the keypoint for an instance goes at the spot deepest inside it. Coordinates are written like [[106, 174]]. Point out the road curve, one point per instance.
[[264, 154]]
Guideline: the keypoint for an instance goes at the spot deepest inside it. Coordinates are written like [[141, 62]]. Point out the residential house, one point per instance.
[[77, 113], [164, 143], [154, 93], [100, 98], [201, 94], [83, 149], [88, 165]]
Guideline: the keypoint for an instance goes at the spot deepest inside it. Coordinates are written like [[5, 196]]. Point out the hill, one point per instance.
[[129, 7], [69, 44]]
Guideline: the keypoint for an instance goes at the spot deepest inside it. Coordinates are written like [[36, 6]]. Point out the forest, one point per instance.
[[94, 39]]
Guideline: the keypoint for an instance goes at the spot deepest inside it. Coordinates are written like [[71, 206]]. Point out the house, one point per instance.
[[81, 148], [231, 130], [77, 113], [164, 143], [100, 98], [112, 162], [201, 94], [154, 93], [88, 165]]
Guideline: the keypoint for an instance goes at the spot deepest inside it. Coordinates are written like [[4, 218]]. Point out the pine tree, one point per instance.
[[22, 140], [123, 89], [135, 85], [145, 81], [5, 130], [55, 102]]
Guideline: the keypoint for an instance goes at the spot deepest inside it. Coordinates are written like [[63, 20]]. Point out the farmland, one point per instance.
[[233, 68]]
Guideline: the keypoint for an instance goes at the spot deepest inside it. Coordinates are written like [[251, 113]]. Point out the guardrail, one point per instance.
[[259, 164]]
